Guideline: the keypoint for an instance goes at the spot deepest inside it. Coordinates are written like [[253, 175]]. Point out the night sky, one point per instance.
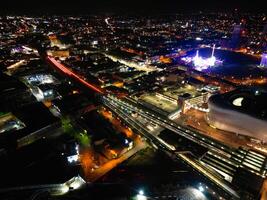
[[127, 6]]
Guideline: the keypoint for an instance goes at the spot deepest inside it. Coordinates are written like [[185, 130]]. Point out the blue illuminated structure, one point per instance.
[[263, 60]]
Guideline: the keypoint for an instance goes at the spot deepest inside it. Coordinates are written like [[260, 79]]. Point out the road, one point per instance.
[[123, 110], [169, 124], [53, 189], [70, 73], [139, 145], [105, 168]]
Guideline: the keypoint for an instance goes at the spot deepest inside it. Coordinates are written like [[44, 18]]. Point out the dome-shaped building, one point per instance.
[[243, 111]]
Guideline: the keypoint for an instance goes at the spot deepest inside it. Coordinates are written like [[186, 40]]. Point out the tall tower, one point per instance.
[[264, 60], [213, 49], [197, 54], [236, 36]]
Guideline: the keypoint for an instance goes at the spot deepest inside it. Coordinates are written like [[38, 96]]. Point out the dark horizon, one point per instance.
[[126, 7]]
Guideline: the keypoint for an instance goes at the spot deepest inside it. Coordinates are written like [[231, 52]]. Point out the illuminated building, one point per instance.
[[58, 53], [242, 111], [186, 101], [44, 92], [263, 60]]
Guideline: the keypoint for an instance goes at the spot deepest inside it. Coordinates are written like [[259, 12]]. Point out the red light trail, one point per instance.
[[70, 73]]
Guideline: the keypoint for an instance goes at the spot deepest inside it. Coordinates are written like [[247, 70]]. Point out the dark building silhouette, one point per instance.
[[236, 36]]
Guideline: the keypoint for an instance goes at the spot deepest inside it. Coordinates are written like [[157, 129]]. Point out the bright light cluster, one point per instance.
[[201, 63], [264, 60]]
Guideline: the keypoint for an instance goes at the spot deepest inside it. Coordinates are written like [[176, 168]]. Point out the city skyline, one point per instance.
[[114, 100]]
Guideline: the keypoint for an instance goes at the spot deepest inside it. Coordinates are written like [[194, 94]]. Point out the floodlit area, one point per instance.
[[193, 193], [9, 122], [37, 79], [159, 102]]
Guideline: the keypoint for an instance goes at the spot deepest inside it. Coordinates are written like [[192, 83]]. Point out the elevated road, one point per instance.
[[125, 113], [125, 109], [70, 73]]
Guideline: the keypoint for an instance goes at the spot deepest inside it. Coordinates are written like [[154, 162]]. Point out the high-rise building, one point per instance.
[[236, 36]]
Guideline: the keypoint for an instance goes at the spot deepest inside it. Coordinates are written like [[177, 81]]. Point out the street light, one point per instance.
[[141, 192], [140, 195]]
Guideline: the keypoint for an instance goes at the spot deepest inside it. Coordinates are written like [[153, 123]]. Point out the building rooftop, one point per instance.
[[8, 83], [250, 101]]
